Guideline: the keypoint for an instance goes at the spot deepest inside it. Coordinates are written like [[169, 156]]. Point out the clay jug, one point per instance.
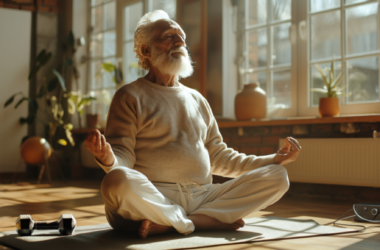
[[250, 103], [328, 106]]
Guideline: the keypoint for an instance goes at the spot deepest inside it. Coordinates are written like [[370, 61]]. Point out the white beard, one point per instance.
[[167, 64]]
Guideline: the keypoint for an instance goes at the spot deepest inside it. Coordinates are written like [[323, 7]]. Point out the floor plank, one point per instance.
[[84, 201]]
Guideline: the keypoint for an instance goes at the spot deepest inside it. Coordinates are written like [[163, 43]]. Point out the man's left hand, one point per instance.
[[288, 153]]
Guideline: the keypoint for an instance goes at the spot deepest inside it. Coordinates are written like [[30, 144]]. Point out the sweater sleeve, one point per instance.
[[121, 129], [226, 161]]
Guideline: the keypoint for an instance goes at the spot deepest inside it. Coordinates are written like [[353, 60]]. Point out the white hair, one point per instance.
[[143, 34]]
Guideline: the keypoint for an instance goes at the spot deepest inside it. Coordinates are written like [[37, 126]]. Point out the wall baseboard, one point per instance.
[[6, 177], [334, 192]]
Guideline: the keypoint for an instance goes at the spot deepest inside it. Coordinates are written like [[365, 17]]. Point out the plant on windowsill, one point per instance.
[[329, 105], [113, 69]]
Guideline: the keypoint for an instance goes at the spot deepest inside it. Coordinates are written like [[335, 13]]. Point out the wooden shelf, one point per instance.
[[78, 131], [225, 123]]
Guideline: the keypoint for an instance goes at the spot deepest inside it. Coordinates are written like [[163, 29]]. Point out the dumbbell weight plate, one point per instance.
[[67, 224], [24, 225]]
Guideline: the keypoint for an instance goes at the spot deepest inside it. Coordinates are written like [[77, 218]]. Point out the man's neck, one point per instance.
[[156, 77]]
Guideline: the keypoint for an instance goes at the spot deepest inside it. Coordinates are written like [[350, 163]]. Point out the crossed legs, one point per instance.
[[133, 203]]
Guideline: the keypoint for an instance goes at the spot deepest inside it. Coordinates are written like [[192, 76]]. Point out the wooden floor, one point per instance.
[[83, 200]]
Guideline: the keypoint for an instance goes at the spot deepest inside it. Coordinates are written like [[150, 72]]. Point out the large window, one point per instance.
[[102, 49], [112, 28], [285, 39], [268, 51], [348, 31]]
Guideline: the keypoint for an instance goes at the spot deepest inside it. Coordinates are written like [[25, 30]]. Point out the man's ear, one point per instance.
[[145, 51]]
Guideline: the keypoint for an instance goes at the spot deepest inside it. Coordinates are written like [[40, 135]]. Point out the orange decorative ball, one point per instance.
[[34, 149]]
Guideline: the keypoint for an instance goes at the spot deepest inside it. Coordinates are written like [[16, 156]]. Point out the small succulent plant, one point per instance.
[[331, 88]]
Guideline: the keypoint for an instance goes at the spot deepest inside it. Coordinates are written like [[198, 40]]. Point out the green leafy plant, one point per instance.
[[331, 88], [55, 95], [54, 112], [77, 101], [112, 69]]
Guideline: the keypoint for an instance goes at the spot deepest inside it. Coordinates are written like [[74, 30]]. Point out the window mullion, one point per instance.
[[343, 46], [269, 52]]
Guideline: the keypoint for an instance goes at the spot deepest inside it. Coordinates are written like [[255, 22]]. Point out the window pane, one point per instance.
[[96, 2], [109, 15], [96, 46], [96, 81], [132, 14], [362, 28], [97, 19], [325, 35], [101, 107], [257, 48], [132, 70], [363, 80], [109, 44], [281, 9], [256, 11], [260, 78], [317, 82], [281, 44], [354, 1], [169, 6], [319, 5], [107, 76], [281, 95]]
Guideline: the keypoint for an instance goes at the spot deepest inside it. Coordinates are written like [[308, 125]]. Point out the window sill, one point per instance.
[[229, 123]]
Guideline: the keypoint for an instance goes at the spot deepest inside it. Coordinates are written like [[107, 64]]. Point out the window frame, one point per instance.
[[120, 30], [301, 65], [90, 59], [304, 74], [270, 68]]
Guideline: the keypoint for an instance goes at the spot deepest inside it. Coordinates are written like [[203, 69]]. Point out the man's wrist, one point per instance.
[[106, 162]]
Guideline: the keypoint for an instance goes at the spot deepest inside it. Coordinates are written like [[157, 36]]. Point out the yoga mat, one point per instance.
[[103, 237]]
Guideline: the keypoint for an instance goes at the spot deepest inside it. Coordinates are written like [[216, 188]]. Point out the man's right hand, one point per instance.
[[96, 144]]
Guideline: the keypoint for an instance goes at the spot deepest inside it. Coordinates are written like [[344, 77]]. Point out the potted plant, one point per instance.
[[54, 94], [116, 70], [329, 105], [77, 102]]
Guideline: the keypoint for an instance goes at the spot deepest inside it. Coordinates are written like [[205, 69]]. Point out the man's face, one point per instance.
[[167, 36], [168, 52]]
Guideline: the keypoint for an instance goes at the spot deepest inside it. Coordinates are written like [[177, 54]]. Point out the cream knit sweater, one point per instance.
[[170, 135]]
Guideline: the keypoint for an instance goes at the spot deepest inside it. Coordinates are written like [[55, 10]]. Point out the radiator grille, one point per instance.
[[337, 161]]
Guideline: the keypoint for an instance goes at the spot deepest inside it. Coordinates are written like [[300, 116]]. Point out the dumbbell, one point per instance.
[[25, 225]]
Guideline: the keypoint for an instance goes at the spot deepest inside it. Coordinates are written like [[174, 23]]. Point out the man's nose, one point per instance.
[[179, 41]]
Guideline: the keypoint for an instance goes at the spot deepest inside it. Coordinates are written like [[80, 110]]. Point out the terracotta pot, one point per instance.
[[251, 103], [35, 150], [92, 120], [328, 106]]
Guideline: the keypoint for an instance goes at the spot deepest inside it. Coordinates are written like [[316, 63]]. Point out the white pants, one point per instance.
[[130, 197]]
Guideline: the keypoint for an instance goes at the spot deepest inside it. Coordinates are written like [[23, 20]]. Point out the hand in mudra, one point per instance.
[[96, 144], [288, 153]]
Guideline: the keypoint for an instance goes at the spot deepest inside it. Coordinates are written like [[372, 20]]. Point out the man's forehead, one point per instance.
[[163, 25]]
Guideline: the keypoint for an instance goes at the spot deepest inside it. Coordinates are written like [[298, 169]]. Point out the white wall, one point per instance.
[[15, 30]]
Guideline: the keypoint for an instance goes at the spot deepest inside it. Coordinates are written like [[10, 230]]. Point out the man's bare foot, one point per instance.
[[204, 222], [148, 227]]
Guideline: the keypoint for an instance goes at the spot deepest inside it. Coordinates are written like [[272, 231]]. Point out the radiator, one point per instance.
[[353, 162]]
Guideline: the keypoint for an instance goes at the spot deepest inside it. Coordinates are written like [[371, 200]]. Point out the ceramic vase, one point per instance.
[[328, 106], [251, 103]]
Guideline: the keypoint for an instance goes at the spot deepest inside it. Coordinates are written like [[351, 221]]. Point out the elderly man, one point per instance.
[[162, 145]]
